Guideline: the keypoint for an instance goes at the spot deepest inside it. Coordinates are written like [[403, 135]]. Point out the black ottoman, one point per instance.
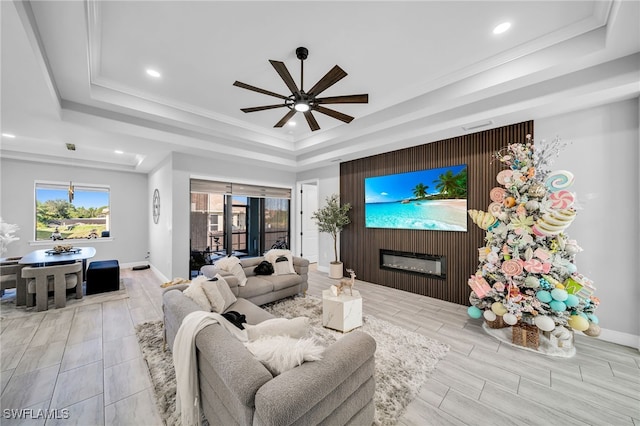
[[103, 275]]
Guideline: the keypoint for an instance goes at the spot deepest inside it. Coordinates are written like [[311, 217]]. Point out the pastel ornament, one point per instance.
[[504, 177], [509, 202], [593, 330], [498, 286], [578, 323], [498, 308], [544, 323], [489, 315], [511, 267], [537, 190], [594, 319], [509, 319], [479, 285], [560, 179], [544, 296], [559, 294], [532, 282], [533, 265], [532, 205], [483, 219], [497, 194], [562, 199], [572, 248], [483, 252], [495, 209], [474, 312], [542, 254], [572, 301], [557, 306], [571, 268]]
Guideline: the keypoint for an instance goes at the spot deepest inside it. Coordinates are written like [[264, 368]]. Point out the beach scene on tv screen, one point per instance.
[[433, 199]]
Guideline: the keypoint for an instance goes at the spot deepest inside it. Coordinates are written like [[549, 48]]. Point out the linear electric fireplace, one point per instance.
[[415, 263]]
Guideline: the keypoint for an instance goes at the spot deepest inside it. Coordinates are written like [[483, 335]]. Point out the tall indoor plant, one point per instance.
[[332, 218]]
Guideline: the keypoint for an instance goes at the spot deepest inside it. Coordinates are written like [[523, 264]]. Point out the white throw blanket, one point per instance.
[[184, 360]]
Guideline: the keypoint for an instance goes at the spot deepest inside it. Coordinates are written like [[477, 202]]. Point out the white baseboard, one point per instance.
[[625, 339], [132, 264], [159, 274], [153, 268], [323, 269]]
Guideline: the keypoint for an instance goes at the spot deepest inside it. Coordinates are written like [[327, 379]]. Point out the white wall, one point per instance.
[[161, 233], [129, 205], [604, 156], [328, 183]]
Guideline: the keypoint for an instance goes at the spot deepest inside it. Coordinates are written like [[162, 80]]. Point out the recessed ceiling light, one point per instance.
[[9, 135], [502, 28], [153, 73], [117, 151], [292, 123]]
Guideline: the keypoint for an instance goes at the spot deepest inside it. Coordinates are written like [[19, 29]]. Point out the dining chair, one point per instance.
[[57, 278]]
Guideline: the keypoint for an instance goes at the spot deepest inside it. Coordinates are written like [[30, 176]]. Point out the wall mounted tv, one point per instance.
[[433, 199]]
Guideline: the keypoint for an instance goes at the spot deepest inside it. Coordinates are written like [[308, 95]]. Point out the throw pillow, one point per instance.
[[295, 327], [264, 268], [196, 293], [219, 294], [232, 264], [282, 353], [282, 266], [274, 254]]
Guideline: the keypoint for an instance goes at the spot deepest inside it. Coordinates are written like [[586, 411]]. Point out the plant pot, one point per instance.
[[335, 270]]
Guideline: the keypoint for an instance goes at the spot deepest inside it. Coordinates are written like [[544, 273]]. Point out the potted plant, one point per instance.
[[332, 218]]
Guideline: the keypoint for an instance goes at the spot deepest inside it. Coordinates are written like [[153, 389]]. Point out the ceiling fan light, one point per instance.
[[302, 106]]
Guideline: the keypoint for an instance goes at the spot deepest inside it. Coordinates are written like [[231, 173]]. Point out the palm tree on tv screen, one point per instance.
[[420, 191], [452, 185]]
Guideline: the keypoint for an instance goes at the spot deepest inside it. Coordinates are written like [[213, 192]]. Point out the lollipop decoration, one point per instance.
[[527, 276], [560, 179], [497, 194]]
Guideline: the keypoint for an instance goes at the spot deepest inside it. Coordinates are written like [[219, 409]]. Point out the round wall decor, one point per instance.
[[156, 206]]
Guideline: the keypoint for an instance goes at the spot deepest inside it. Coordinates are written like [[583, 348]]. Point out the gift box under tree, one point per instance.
[[526, 335]]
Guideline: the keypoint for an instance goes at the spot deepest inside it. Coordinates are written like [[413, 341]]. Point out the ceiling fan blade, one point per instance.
[[350, 99], [332, 77], [262, 108], [311, 120], [257, 89], [282, 70], [335, 114], [286, 118]]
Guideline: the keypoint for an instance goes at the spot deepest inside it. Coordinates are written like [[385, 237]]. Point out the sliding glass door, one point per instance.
[[242, 220]]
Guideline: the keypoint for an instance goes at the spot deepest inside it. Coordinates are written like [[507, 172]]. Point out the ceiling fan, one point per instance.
[[306, 101]]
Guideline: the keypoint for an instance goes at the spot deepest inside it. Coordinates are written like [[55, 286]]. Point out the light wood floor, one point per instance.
[[87, 360]]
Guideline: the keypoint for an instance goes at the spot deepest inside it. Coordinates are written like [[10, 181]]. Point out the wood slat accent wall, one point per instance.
[[360, 246]]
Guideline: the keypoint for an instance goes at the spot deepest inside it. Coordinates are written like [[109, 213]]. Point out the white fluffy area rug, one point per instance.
[[404, 359]]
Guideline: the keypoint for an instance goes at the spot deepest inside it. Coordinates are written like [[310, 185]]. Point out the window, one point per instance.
[[68, 211], [245, 220]]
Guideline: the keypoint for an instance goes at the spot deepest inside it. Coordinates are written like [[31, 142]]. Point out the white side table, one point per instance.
[[343, 312]]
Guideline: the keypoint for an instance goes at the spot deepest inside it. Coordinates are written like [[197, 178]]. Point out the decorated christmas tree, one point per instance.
[[527, 275]]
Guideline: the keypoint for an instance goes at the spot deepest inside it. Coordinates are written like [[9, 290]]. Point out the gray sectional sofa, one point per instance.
[[237, 389], [261, 289]]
